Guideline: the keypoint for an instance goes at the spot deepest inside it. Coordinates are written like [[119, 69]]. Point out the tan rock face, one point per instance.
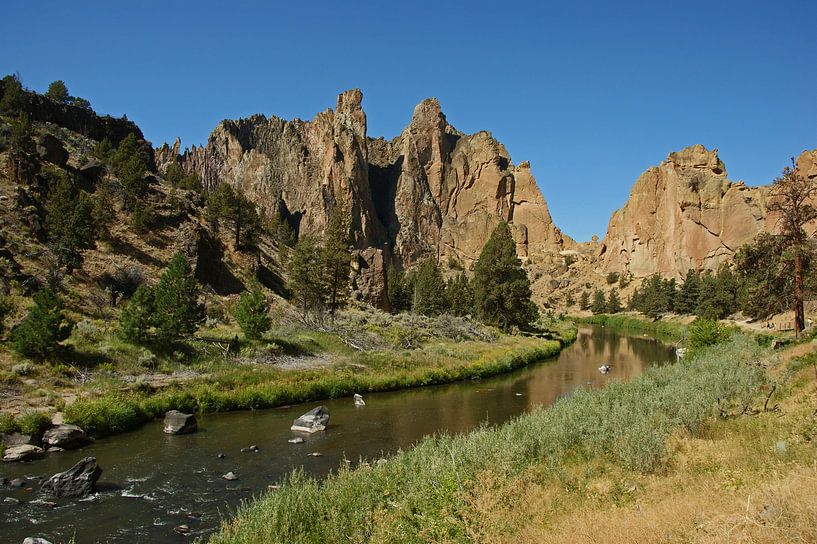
[[685, 214], [430, 192]]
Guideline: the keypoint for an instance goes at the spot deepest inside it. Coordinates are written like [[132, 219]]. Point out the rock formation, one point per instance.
[[78, 481], [430, 192]]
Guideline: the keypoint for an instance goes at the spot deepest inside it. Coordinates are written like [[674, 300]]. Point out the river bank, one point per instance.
[[443, 489]]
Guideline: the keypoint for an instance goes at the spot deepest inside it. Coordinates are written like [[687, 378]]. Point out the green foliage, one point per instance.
[[460, 295], [689, 294], [570, 301], [305, 276], [252, 312], [502, 294], [662, 329], [225, 203], [44, 327], [599, 305], [103, 151], [177, 177], [612, 277], [429, 289], [80, 103], [613, 302], [104, 209], [399, 290], [143, 217], [718, 294], [705, 332], [584, 301], [33, 423], [6, 308], [655, 297], [129, 166], [336, 260], [178, 311], [13, 99], [69, 219], [7, 423], [58, 92], [138, 316]]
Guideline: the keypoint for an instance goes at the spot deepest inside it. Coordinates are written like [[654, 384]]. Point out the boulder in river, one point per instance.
[[77, 481], [296, 440], [313, 421], [180, 423], [35, 540], [23, 452], [230, 476], [65, 436]]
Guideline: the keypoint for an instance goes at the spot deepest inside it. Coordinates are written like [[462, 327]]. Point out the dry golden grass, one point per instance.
[[752, 480]]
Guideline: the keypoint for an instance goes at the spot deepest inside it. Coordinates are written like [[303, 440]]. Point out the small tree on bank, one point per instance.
[[399, 290], [44, 327], [252, 312], [138, 316], [178, 311], [584, 301], [502, 294], [305, 278], [599, 305], [613, 302], [429, 289]]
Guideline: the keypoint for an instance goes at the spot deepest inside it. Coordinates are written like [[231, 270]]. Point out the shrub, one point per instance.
[[33, 423], [706, 332]]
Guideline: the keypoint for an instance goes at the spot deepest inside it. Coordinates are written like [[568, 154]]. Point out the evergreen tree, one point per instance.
[[654, 297], [460, 295], [570, 301], [719, 294], [69, 219], [177, 177], [399, 290], [138, 316], [689, 295], [336, 260], [224, 202], [129, 167], [251, 312], [584, 301], [429, 289], [103, 151], [21, 157], [104, 209], [13, 100], [44, 327], [6, 308], [502, 294], [58, 92], [613, 302], [305, 277], [178, 311], [599, 305]]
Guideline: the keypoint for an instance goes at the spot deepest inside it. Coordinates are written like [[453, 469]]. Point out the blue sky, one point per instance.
[[592, 93]]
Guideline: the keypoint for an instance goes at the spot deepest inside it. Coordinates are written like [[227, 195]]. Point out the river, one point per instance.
[[153, 482]]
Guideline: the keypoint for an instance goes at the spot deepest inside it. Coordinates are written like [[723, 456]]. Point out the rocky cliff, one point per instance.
[[430, 192], [685, 213]]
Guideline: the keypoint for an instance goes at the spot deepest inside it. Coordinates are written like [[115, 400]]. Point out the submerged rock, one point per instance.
[[77, 481], [230, 476], [313, 421], [297, 440], [181, 529], [359, 400], [23, 452], [35, 540], [65, 436], [180, 423]]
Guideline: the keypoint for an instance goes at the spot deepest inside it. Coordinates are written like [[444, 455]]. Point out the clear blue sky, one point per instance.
[[592, 93]]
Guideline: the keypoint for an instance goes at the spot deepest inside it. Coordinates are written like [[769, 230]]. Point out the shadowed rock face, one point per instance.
[[430, 192], [685, 213]]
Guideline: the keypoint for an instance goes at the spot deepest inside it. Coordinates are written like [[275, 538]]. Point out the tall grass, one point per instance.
[[421, 495]]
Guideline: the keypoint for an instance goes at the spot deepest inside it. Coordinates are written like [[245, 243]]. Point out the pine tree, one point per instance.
[[178, 311], [502, 291], [399, 290], [429, 289], [69, 219], [767, 277], [44, 327], [689, 294], [138, 316], [305, 278], [584, 301], [129, 167], [599, 305], [251, 312], [21, 157], [460, 295], [58, 92], [613, 302], [336, 260], [13, 100], [224, 202]]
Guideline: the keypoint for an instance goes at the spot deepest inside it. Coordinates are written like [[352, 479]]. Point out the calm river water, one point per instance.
[[153, 482]]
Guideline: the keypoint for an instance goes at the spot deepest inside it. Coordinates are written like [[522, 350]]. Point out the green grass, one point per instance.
[[663, 330], [422, 495]]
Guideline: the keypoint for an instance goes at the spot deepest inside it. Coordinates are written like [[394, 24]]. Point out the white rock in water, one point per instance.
[[35, 540], [230, 476], [359, 400], [297, 440]]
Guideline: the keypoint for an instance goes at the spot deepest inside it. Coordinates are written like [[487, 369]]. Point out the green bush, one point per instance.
[[7, 423], [34, 423], [251, 312], [44, 327], [706, 332]]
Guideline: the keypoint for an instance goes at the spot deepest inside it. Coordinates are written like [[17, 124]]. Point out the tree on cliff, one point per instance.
[[252, 312], [13, 98], [502, 294], [58, 92], [790, 198], [22, 164], [69, 219], [224, 202], [429, 289], [178, 311], [129, 167]]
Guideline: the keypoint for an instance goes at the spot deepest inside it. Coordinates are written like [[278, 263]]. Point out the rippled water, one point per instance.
[[153, 482]]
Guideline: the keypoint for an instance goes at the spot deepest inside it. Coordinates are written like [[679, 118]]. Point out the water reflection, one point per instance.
[[156, 482]]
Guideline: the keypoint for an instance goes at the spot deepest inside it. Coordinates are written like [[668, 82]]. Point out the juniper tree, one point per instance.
[[69, 219], [178, 311], [429, 289], [399, 290], [44, 327], [502, 291], [460, 295], [336, 260], [599, 305], [584, 300], [252, 312], [613, 302], [304, 269], [138, 316], [226, 203]]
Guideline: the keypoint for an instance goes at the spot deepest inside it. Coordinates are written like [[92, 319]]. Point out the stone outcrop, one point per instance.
[[430, 192], [683, 214]]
